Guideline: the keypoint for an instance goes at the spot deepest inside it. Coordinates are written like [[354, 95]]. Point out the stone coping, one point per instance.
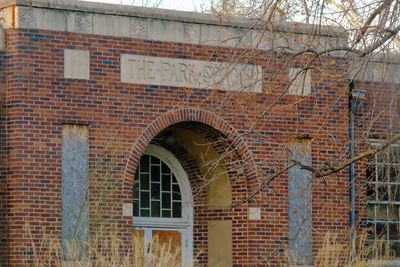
[[182, 16], [167, 26], [388, 58], [377, 68]]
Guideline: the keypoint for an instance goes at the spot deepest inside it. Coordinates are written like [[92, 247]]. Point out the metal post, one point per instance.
[[355, 102], [352, 185]]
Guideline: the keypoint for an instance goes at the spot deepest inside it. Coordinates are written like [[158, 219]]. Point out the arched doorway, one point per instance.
[[163, 204], [221, 172]]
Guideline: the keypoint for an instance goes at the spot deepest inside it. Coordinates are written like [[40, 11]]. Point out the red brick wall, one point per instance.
[[119, 118], [3, 164]]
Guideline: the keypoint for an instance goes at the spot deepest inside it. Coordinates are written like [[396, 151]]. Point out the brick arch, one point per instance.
[[192, 115]]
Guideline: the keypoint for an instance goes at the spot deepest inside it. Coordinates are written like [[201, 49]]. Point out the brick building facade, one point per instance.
[[90, 90]]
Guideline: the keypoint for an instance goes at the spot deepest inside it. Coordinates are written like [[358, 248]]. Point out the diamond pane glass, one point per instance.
[[144, 163], [176, 210], [166, 182], [156, 190], [155, 173], [166, 200], [144, 182]]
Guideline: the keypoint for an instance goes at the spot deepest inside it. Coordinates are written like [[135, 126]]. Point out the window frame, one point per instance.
[[375, 201]]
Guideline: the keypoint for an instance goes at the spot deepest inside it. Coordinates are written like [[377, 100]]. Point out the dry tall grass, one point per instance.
[[335, 254], [105, 250]]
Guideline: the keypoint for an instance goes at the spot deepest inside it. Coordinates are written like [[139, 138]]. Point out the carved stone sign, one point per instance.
[[190, 73]]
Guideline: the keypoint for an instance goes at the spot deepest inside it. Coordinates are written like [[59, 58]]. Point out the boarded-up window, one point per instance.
[[300, 239], [74, 192], [220, 243]]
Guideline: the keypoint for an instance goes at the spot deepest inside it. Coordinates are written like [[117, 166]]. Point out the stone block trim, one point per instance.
[[300, 82], [254, 214], [76, 64]]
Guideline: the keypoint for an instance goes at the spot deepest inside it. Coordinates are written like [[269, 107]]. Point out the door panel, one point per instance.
[[167, 247], [139, 244], [157, 247]]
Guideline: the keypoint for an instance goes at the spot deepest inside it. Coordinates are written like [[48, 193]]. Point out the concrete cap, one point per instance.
[[184, 16]]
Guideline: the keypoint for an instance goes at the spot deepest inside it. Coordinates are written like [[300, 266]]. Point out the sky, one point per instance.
[[186, 5]]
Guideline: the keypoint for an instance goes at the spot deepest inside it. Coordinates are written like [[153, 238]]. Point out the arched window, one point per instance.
[[157, 193], [163, 203]]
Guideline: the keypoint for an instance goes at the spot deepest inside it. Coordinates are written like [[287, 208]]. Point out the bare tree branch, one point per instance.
[[334, 169], [371, 18]]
